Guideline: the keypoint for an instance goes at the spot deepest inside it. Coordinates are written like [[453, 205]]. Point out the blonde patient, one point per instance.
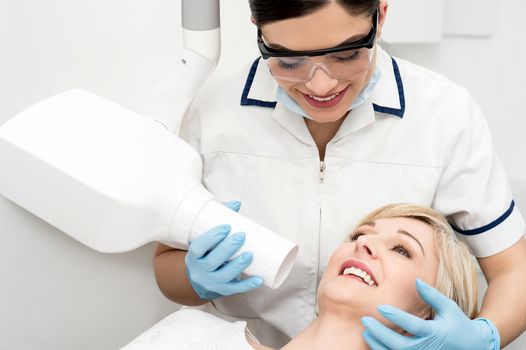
[[379, 263]]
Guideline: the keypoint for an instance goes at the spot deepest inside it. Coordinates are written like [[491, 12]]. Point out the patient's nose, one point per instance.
[[366, 246]]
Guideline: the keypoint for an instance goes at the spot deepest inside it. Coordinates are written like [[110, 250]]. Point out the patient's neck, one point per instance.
[[330, 331]]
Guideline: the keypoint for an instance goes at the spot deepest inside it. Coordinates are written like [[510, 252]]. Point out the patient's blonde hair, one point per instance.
[[457, 276]]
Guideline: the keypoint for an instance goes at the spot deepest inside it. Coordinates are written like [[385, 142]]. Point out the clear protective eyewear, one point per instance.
[[340, 62]]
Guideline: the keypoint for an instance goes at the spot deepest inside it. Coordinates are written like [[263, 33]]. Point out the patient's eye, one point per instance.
[[400, 249], [354, 236]]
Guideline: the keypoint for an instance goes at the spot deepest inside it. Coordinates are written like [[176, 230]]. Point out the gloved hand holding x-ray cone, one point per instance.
[[115, 180]]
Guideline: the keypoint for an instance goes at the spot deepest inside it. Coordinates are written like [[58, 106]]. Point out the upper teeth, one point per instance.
[[360, 273], [324, 99]]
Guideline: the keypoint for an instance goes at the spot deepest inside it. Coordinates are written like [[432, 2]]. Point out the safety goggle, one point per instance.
[[339, 62]]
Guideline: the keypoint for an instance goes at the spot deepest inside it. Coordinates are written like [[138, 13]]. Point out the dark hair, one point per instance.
[[268, 11]]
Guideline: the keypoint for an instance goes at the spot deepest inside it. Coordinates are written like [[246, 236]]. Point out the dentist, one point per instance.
[[322, 128]]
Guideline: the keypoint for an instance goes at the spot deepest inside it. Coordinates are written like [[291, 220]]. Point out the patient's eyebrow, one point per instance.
[[404, 232]]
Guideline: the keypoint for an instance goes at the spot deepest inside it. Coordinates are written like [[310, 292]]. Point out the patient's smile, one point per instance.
[[364, 276], [360, 270]]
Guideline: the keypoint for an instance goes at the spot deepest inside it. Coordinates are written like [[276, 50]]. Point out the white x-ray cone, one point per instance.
[[115, 180]]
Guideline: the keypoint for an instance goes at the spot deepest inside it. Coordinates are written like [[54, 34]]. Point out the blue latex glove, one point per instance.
[[450, 329], [208, 268]]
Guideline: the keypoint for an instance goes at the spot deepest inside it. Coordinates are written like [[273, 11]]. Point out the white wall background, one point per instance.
[[55, 294]]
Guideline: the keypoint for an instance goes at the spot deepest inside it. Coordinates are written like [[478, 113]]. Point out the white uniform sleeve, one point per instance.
[[473, 191], [192, 329]]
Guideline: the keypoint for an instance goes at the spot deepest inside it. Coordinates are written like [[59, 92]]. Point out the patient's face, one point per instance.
[[394, 252]]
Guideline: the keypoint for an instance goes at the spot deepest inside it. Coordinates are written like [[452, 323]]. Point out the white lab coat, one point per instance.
[[420, 138]]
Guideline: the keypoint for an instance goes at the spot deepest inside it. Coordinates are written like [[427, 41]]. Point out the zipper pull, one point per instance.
[[322, 171]]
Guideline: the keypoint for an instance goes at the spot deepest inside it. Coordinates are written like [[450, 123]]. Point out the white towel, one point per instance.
[[192, 329]]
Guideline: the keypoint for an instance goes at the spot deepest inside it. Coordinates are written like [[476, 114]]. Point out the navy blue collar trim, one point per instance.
[[489, 226], [245, 101], [398, 112]]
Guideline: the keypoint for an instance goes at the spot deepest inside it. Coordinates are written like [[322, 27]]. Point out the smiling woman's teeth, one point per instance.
[[324, 99], [360, 273]]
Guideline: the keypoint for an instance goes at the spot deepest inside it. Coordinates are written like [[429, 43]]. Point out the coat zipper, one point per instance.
[[322, 171], [322, 178], [317, 268]]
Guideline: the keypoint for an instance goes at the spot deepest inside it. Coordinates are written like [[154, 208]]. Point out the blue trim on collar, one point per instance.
[[398, 112], [245, 101], [489, 226]]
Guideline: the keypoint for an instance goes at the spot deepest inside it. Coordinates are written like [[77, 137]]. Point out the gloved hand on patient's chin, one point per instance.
[[208, 268], [451, 329]]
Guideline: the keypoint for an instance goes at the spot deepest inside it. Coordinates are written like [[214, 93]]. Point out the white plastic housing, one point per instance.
[[206, 43], [115, 180], [171, 96]]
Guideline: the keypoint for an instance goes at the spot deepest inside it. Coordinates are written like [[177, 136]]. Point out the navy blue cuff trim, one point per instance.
[[398, 112], [245, 101], [489, 226]]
